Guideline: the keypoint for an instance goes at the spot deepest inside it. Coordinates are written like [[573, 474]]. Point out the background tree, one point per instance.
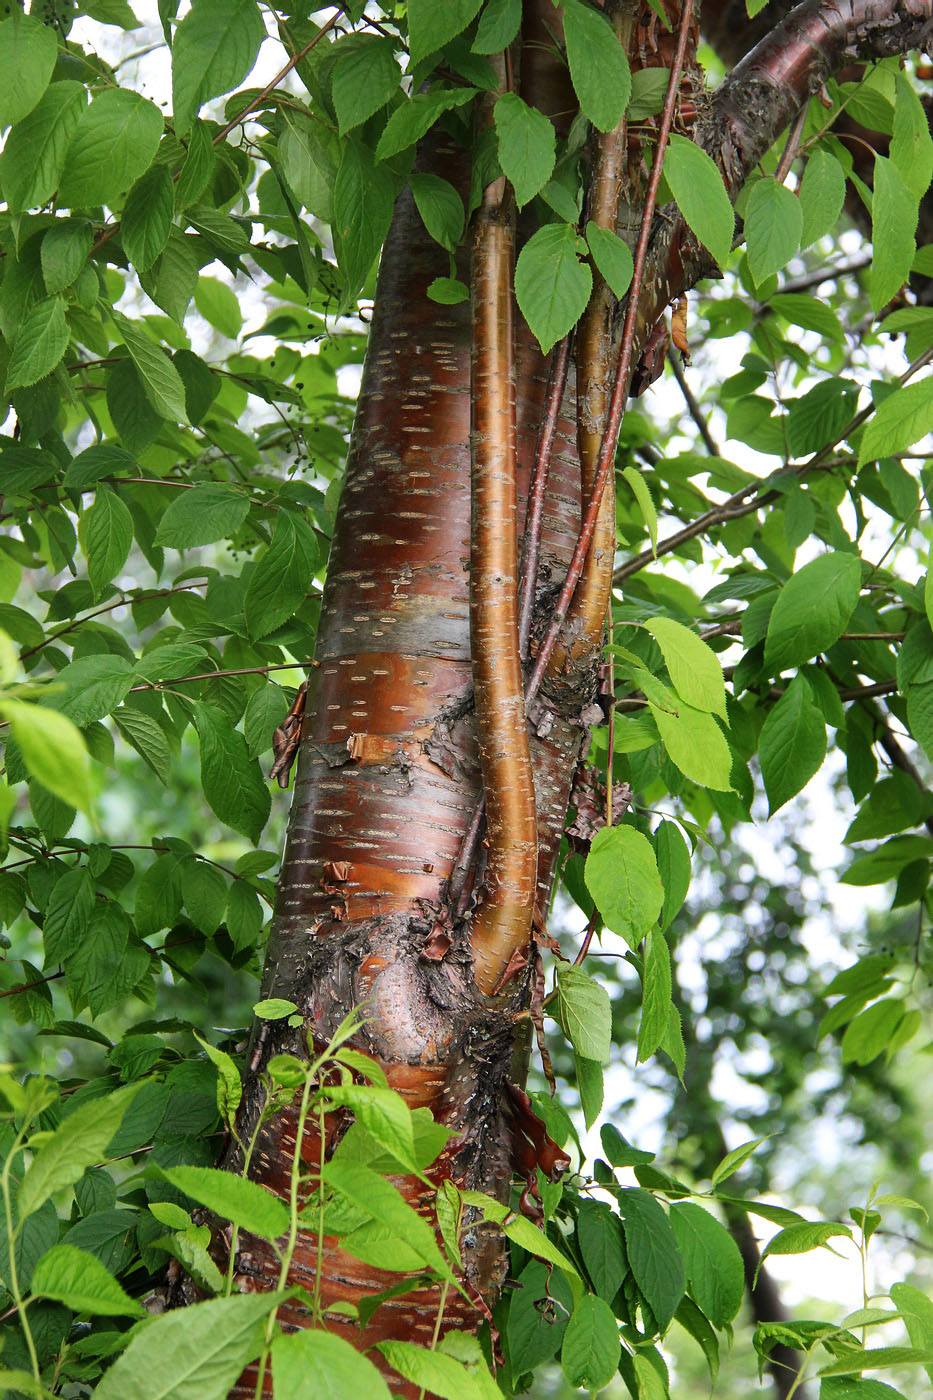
[[458, 649]]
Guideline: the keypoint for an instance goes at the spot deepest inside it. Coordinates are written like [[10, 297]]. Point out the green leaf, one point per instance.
[[916, 1308], [229, 1085], [498, 25], [522, 1232], [80, 1142], [440, 207], [693, 667], [409, 122], [433, 1371], [695, 744], [53, 750], [215, 48], [147, 217], [893, 222], [95, 685], [319, 1364], [204, 891], [219, 305], [812, 610], [39, 345], [800, 1239], [365, 77], [202, 515], [870, 1033], [246, 1203], [773, 226], [196, 1353], [430, 25], [599, 1235], [611, 256], [526, 146], [280, 581], [72, 1276], [274, 1008], [232, 781], [622, 876], [911, 144], [591, 1347], [822, 193], [904, 417], [792, 744], [34, 153], [656, 997], [67, 915], [106, 533], [160, 379], [585, 1013], [875, 1359], [28, 50], [265, 710], [364, 197], [244, 915], [114, 141], [734, 1159], [552, 284], [146, 736], [645, 502], [383, 1113], [90, 968], [697, 186], [539, 1310], [590, 1083], [310, 156], [380, 1199], [653, 1254], [712, 1261], [673, 858], [598, 66], [63, 252]]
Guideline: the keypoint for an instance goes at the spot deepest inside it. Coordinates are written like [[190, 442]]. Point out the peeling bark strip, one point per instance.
[[502, 924]]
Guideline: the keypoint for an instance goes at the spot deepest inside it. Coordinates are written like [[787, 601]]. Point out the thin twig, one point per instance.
[[696, 413], [792, 146], [623, 370], [531, 544]]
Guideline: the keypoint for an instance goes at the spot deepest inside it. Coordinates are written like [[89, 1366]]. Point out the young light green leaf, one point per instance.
[[214, 49], [78, 1279], [337, 1368], [875, 1359], [39, 345], [219, 305], [611, 256], [28, 50], [598, 66], [232, 781], [273, 1008], [53, 750], [80, 1142], [645, 501], [693, 667], [916, 1308], [229, 1086], [526, 146], [800, 1239], [380, 1199], [903, 418], [734, 1159], [695, 744], [911, 144], [432, 1371], [870, 1033], [792, 744], [552, 284], [196, 1353], [523, 1232], [232, 1197], [773, 227], [622, 876], [590, 1351], [701, 196], [585, 1013], [114, 141]]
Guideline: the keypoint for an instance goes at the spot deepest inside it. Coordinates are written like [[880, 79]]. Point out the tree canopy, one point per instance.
[[187, 285]]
